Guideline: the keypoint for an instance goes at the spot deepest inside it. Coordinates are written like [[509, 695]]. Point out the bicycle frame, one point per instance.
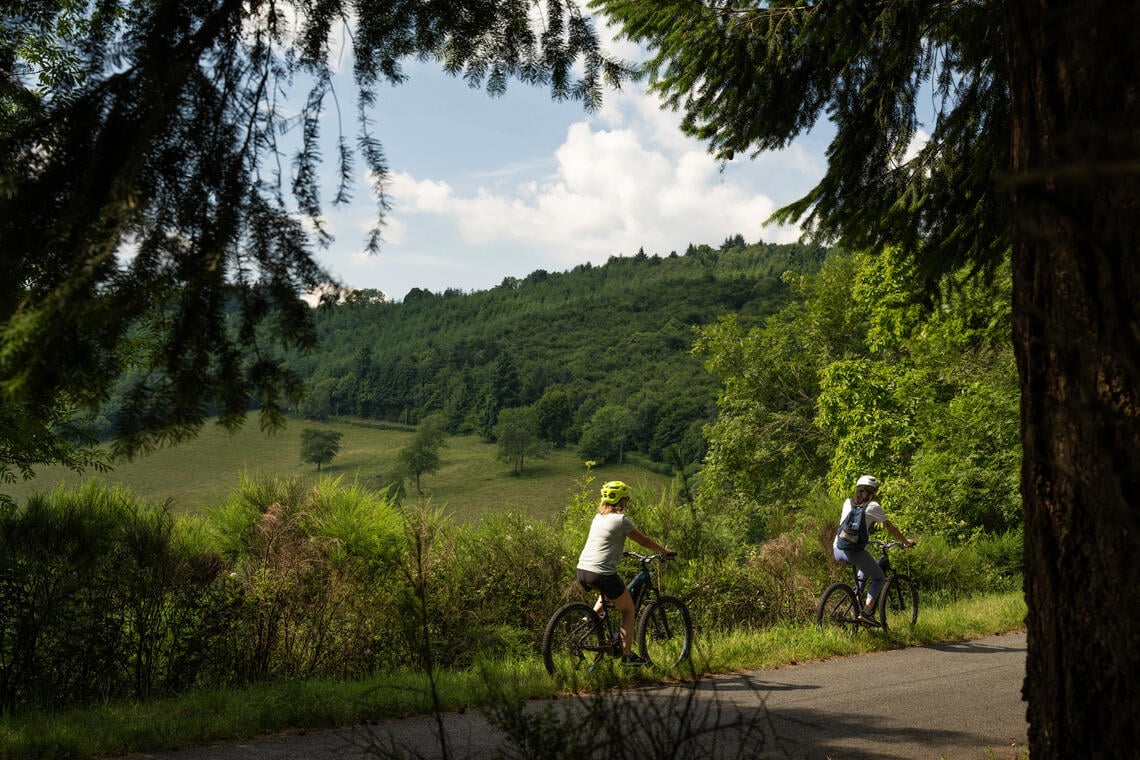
[[841, 604], [641, 587], [579, 635]]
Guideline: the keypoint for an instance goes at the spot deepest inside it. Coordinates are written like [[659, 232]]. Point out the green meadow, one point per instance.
[[471, 481]]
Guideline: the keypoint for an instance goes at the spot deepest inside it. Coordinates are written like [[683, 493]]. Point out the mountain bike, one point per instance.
[[577, 638], [897, 604]]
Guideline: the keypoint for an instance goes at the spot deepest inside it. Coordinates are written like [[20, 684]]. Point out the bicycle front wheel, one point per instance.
[[838, 607], [898, 606], [665, 632], [574, 640]]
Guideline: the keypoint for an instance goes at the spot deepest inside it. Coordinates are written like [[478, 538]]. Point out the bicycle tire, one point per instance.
[[665, 632], [573, 641], [898, 603], [838, 608]]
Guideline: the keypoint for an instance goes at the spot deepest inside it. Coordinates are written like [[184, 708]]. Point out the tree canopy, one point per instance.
[[153, 225], [319, 446]]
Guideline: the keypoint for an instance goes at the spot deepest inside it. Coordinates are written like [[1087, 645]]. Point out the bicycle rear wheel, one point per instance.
[[838, 607], [898, 604], [665, 632], [574, 640]]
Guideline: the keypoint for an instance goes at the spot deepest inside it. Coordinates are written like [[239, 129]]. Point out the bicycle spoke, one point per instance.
[[665, 632], [838, 608], [573, 641]]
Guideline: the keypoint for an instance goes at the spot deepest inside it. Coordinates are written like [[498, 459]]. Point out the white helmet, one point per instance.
[[868, 481]]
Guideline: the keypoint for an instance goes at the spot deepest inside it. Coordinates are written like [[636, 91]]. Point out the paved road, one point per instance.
[[956, 701]]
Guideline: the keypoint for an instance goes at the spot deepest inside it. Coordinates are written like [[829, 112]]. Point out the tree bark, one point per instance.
[[1075, 185]]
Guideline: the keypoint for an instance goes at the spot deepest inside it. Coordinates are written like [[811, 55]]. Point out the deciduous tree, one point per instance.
[[421, 456], [604, 436], [319, 446], [517, 437]]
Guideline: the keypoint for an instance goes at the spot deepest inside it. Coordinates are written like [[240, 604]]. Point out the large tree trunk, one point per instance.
[[1074, 76]]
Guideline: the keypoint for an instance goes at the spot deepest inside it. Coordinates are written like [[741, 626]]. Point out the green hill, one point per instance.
[[571, 343]]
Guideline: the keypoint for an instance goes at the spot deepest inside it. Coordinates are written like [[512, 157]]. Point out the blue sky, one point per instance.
[[486, 188]]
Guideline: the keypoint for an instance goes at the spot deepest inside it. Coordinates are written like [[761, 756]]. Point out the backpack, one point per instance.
[[852, 533]]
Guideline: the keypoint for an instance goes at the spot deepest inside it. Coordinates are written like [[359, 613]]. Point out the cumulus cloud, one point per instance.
[[624, 181]]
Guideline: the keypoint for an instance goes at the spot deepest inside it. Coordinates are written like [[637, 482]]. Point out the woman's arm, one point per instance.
[[649, 543], [890, 526]]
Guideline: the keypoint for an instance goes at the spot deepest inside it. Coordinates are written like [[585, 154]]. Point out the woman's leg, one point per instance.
[[624, 604], [869, 568]]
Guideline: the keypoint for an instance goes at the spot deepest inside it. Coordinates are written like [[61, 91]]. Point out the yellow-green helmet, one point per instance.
[[615, 491]]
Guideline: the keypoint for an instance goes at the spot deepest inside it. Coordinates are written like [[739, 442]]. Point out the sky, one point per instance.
[[485, 188]]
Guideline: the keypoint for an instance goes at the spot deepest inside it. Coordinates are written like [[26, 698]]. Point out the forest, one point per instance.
[[603, 354]]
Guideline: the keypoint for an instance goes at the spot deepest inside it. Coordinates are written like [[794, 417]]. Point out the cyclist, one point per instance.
[[865, 489], [598, 562]]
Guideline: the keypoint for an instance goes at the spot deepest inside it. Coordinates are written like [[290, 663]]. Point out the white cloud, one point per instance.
[[614, 190]]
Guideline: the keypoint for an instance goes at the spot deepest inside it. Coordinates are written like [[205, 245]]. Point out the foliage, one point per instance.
[[567, 343], [296, 579], [421, 456], [319, 446], [304, 561], [517, 437], [102, 598], [858, 377], [50, 435], [604, 436], [151, 233], [750, 78], [1031, 150]]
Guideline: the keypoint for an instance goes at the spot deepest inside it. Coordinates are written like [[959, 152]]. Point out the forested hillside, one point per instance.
[[602, 353]]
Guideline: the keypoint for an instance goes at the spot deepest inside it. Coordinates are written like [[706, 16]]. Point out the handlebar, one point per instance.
[[647, 558], [885, 545]]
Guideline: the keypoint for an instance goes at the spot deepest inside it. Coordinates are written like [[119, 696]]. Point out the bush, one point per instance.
[[305, 559], [100, 599]]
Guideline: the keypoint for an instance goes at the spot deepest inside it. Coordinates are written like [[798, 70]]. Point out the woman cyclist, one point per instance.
[[598, 562], [865, 489]]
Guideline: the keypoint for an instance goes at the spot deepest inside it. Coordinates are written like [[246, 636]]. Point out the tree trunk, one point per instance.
[[1075, 189]]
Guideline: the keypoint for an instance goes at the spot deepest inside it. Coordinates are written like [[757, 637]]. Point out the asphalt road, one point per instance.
[[956, 701]]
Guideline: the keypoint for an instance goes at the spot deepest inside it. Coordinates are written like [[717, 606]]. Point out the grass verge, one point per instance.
[[230, 714]]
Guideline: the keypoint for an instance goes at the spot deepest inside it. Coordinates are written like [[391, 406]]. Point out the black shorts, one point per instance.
[[611, 586]]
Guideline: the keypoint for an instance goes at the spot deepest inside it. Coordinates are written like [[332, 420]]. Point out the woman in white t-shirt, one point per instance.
[[868, 567], [598, 562]]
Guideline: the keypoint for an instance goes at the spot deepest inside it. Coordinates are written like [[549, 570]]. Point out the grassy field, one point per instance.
[[471, 481]]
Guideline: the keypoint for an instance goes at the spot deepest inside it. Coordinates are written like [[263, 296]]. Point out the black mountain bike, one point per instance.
[[577, 638], [896, 606]]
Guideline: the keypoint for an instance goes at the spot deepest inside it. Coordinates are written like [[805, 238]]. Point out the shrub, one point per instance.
[[305, 561], [99, 599]]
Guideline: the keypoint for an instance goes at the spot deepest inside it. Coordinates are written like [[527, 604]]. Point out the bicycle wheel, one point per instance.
[[898, 604], [838, 607], [574, 640], [665, 632]]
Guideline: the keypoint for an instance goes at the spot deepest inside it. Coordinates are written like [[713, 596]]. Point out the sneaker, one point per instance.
[[634, 660], [868, 618]]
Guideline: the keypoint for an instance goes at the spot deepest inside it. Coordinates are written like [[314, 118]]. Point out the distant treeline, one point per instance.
[[615, 337]]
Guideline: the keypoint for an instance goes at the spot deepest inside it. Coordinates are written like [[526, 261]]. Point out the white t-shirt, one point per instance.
[[604, 545], [874, 513]]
